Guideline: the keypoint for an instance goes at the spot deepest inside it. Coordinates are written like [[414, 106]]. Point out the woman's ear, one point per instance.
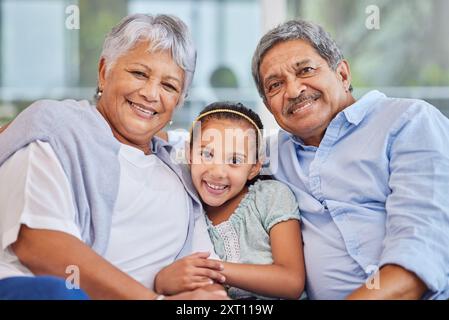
[[101, 73], [255, 170]]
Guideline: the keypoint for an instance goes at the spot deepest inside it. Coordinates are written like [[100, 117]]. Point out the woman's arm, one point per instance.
[[285, 277], [3, 128], [51, 252]]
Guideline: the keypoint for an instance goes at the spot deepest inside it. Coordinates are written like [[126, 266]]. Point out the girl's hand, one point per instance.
[[189, 273]]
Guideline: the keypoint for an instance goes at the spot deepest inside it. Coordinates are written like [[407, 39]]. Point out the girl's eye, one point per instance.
[[236, 160], [206, 154]]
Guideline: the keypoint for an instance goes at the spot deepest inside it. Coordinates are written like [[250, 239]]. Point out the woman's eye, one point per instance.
[[139, 74], [170, 87]]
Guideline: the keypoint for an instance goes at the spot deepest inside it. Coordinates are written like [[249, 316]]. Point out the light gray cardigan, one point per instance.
[[88, 153]]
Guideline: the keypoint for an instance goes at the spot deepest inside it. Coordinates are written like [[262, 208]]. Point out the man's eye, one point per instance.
[[273, 86], [306, 71]]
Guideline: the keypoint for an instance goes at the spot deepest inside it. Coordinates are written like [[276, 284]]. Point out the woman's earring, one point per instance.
[[99, 93], [170, 123]]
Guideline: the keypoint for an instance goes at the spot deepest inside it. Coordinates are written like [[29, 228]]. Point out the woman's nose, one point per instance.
[[150, 90]]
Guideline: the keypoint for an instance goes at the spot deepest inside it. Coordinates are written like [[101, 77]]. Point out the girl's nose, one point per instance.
[[217, 171]]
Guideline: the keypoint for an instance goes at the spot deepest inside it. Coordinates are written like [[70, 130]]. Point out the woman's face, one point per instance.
[[139, 94]]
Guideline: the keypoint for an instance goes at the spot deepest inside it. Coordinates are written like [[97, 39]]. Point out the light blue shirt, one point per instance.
[[375, 192]]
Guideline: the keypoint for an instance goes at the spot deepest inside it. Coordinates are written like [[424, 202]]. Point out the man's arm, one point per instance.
[[414, 258], [395, 283]]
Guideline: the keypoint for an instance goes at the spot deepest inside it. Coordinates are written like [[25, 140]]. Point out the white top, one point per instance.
[[149, 222]]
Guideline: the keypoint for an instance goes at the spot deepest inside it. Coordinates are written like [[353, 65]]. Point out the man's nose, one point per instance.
[[294, 88]]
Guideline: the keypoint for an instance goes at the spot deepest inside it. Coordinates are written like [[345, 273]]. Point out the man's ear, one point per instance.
[[255, 170], [344, 73]]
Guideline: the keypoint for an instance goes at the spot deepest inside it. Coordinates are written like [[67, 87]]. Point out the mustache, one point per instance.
[[299, 99]]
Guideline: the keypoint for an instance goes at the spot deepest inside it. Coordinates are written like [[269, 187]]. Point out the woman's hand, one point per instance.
[[189, 273], [200, 294]]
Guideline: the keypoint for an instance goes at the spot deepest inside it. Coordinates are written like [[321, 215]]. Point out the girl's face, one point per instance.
[[223, 158]]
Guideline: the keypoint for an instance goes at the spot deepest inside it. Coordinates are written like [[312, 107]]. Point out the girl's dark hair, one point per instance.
[[234, 106]]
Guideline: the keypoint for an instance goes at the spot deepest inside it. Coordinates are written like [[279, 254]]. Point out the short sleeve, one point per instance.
[[275, 203], [35, 192]]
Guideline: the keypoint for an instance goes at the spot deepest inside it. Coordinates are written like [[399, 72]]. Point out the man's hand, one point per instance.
[[189, 273], [395, 283]]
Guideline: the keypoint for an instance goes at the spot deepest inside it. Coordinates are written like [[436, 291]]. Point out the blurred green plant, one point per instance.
[[223, 77], [96, 20]]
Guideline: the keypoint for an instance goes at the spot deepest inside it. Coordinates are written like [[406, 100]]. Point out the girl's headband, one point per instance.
[[228, 111]]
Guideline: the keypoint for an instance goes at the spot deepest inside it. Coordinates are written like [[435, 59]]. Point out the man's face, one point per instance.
[[301, 90]]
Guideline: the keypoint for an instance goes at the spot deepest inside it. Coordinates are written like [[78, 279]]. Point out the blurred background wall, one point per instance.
[[403, 50]]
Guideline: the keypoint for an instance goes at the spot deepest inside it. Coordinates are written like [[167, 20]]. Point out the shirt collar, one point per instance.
[[356, 112], [298, 142]]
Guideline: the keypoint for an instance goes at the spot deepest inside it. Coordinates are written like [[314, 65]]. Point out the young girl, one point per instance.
[[253, 223]]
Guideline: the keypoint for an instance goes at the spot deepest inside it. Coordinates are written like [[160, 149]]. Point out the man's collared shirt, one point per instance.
[[375, 192]]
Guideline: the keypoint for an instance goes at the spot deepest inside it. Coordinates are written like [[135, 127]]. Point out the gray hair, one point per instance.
[[164, 32], [296, 30]]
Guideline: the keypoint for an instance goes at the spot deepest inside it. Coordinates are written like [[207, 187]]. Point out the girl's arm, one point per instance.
[[285, 277]]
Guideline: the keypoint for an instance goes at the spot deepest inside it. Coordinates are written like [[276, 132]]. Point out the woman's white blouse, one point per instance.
[[149, 222]]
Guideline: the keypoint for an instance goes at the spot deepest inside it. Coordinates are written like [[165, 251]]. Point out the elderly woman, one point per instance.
[[89, 193]]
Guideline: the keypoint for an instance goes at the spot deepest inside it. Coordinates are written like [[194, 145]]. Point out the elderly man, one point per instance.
[[371, 175]]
